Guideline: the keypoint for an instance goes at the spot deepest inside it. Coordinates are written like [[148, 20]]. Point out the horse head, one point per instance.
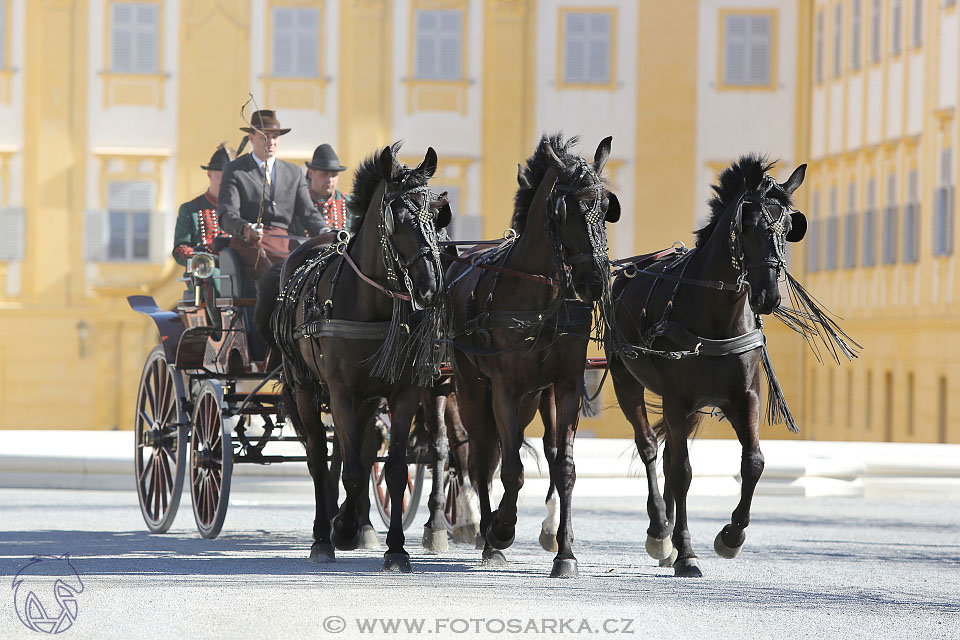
[[580, 205], [759, 231], [412, 216]]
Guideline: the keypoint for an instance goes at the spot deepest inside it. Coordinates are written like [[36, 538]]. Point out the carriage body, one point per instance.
[[208, 399]]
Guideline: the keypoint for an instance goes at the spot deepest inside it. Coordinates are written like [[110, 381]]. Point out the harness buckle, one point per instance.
[[510, 234]]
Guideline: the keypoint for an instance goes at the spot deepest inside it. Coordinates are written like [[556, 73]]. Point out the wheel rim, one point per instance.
[[209, 468], [451, 490], [157, 456]]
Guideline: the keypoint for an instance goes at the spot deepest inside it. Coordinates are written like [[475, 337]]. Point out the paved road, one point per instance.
[[812, 568]]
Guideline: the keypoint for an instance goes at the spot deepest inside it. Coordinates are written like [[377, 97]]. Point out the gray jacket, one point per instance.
[[239, 201]]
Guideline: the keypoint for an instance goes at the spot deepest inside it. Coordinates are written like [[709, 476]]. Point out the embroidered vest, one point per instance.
[[334, 211]]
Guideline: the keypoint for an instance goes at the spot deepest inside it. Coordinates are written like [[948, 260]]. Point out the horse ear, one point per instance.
[[613, 207], [429, 164], [385, 163], [602, 154], [551, 154], [754, 176], [798, 226], [795, 179]]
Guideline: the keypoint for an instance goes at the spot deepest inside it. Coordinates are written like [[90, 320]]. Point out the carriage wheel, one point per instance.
[[160, 442], [378, 481], [211, 461], [451, 491]]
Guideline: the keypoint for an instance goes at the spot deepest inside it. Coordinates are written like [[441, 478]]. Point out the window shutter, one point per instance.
[[95, 236], [121, 39], [129, 195], [890, 234], [818, 47], [427, 53], [283, 41], [599, 48], [449, 45], [3, 34], [813, 248], [575, 47], [850, 241], [11, 233], [875, 31], [760, 38], [306, 43], [837, 40], [868, 258], [948, 220], [736, 50], [146, 38], [832, 232], [917, 23], [896, 35]]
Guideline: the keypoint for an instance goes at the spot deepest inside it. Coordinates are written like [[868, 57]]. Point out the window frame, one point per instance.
[[271, 10], [110, 40], [774, 46], [612, 80]]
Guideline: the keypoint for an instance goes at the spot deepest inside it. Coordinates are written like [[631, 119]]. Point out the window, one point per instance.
[[134, 36], [748, 44], [3, 34], [295, 50], [943, 200], [11, 233], [896, 28], [868, 256], [128, 220], [875, 31], [813, 244], [818, 47], [890, 219], [855, 35], [888, 406], [586, 47], [911, 219], [869, 402], [439, 45], [916, 38], [910, 403], [942, 408], [833, 229], [837, 40], [850, 229]]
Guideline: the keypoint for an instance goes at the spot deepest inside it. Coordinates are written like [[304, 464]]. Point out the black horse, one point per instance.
[[348, 323], [697, 347], [521, 332]]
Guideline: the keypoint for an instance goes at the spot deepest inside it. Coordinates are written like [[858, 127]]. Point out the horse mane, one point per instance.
[[732, 183], [367, 179], [532, 174]]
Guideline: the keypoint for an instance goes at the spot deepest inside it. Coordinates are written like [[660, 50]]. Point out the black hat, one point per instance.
[[325, 159], [220, 158], [265, 121]]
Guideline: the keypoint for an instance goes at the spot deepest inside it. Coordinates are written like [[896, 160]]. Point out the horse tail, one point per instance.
[[660, 429], [268, 290]]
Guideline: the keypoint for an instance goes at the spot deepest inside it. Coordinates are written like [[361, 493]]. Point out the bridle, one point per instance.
[[776, 227], [594, 216]]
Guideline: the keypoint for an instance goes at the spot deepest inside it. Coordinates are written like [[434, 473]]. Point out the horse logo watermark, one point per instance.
[[45, 594]]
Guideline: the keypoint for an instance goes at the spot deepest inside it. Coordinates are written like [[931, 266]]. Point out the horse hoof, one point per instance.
[[496, 542], [344, 542], [395, 563], [479, 542], [493, 558], [669, 560], [466, 533], [548, 541], [687, 568], [322, 553], [368, 538], [435, 539], [565, 568], [659, 548], [725, 550]]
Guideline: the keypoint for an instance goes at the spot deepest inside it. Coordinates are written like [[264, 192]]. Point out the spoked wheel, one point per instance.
[[378, 480], [160, 442], [451, 492], [211, 461]]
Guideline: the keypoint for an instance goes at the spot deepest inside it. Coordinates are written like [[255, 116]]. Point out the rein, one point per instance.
[[533, 277], [373, 283]]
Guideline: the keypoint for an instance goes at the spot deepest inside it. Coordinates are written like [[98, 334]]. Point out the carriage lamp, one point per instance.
[[202, 265], [83, 330]]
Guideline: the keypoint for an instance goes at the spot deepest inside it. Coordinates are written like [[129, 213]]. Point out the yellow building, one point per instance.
[[109, 108]]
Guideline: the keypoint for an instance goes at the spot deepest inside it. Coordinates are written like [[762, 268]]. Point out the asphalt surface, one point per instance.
[[811, 568]]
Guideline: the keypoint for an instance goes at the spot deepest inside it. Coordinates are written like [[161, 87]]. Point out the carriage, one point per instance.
[[208, 400]]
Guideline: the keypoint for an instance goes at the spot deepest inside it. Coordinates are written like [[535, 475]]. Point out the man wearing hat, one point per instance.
[[261, 196], [322, 175], [197, 224]]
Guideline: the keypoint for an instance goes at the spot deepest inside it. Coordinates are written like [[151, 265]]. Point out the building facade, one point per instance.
[[111, 106]]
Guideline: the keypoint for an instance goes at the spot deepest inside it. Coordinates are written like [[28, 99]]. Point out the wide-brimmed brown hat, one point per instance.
[[220, 158], [325, 159], [266, 121]]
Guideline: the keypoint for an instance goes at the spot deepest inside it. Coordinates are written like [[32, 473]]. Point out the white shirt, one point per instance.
[[271, 166]]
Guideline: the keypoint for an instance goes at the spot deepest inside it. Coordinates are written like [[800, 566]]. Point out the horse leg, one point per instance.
[[306, 418], [368, 453], [669, 502], [630, 396], [565, 473], [435, 530], [680, 423], [403, 406], [346, 525], [467, 527], [506, 403], [745, 419], [548, 414]]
